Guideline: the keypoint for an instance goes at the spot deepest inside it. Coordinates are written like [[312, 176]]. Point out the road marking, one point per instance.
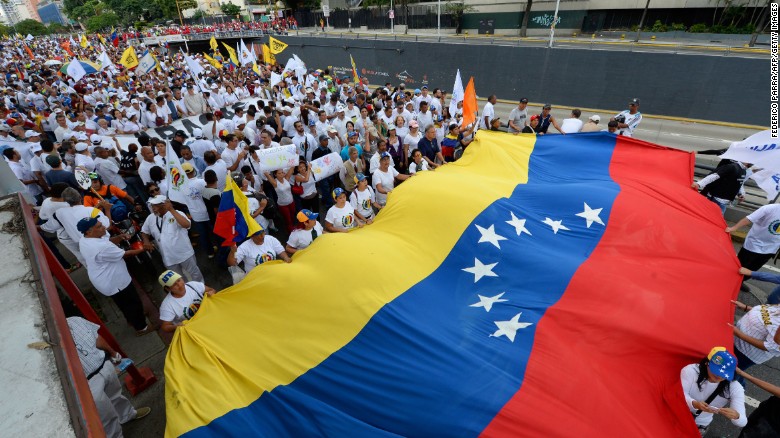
[[750, 401], [771, 268]]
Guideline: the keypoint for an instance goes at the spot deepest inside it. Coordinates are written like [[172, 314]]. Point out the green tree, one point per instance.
[[170, 10], [105, 20], [5, 30], [526, 15], [31, 27], [56, 28], [457, 10], [230, 9], [200, 13]]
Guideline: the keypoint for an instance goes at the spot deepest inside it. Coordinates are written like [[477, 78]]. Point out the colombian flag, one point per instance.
[[538, 287], [234, 224]]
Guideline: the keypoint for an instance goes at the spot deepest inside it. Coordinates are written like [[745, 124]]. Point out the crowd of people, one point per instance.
[[58, 129], [277, 25]]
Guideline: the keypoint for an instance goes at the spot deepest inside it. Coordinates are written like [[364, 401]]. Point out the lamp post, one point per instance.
[[552, 26]]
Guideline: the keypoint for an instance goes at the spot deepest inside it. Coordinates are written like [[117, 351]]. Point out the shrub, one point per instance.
[[698, 28], [658, 27], [678, 26]]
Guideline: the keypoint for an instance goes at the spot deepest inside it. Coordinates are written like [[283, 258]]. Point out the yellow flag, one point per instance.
[[100, 37], [214, 45], [232, 52], [277, 46], [129, 58], [84, 42], [268, 58], [256, 69], [213, 61]]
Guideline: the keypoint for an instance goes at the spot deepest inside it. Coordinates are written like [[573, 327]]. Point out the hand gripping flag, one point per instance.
[[276, 46], [234, 223], [565, 284], [129, 58]]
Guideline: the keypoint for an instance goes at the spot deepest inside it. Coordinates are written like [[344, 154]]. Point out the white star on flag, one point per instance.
[[591, 215], [509, 328], [519, 225], [487, 302], [489, 235], [481, 270], [555, 225]]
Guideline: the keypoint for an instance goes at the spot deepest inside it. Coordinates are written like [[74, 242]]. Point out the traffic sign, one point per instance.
[[326, 10], [392, 14]]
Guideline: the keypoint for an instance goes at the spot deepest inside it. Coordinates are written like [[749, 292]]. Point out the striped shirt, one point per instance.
[[85, 336], [761, 322]]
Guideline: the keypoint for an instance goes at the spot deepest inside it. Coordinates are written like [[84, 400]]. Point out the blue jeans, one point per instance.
[[325, 188], [743, 362], [721, 206], [774, 297]]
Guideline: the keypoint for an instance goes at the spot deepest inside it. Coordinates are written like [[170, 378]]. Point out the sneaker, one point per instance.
[[148, 329], [142, 412]]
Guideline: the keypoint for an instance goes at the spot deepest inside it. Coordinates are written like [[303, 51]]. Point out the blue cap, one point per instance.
[[338, 191], [384, 155], [417, 90], [360, 177], [352, 134], [723, 364], [306, 215], [86, 224]]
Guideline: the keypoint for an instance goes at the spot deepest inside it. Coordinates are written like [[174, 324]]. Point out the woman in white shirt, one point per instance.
[[418, 164], [709, 389], [229, 96], [363, 200], [309, 198], [412, 138], [182, 301], [129, 125], [400, 127], [285, 201], [341, 217]]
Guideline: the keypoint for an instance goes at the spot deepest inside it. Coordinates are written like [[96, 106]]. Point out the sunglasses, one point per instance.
[[154, 190]]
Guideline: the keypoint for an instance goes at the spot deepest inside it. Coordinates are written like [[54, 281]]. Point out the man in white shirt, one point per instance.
[[200, 145], [628, 120], [168, 227], [424, 117], [23, 174], [304, 142], [488, 113], [218, 166], [107, 271], [763, 239], [572, 124], [340, 122], [147, 162], [518, 117], [107, 167], [232, 155]]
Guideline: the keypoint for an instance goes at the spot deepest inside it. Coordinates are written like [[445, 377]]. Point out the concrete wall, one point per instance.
[[718, 88]]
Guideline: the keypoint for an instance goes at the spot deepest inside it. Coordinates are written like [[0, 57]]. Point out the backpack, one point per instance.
[[119, 210]]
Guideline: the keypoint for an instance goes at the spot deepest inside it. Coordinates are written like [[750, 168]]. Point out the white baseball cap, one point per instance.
[[157, 200]]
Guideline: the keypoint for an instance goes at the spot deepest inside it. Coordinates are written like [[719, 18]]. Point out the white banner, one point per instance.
[[759, 149], [326, 166], [769, 181], [178, 183], [280, 157]]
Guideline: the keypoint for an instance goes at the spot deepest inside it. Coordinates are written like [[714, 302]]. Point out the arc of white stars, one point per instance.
[[510, 328], [489, 235], [518, 224], [591, 215], [555, 225], [481, 270], [487, 302]]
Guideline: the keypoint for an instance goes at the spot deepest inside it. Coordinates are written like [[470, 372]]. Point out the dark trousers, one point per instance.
[[205, 240], [752, 260], [743, 362], [312, 203], [130, 304], [325, 187]]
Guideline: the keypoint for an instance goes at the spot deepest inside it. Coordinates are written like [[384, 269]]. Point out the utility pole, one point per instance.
[[642, 21], [552, 26], [761, 25]]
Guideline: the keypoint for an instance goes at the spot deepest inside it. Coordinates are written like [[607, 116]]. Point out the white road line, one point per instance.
[[750, 401], [771, 268]]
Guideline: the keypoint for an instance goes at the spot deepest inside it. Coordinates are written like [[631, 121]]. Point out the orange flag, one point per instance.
[[29, 52], [66, 45], [469, 104]]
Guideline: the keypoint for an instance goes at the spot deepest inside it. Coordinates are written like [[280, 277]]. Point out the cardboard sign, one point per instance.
[[280, 157], [326, 166]]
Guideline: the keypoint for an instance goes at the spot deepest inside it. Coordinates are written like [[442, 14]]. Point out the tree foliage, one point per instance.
[[103, 21], [230, 9], [56, 28], [31, 27]]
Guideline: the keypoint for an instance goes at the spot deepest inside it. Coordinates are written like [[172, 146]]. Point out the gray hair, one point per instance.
[[71, 196], [427, 127], [352, 149]]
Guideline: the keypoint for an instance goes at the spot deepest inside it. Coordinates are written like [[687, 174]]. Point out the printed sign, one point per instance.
[[82, 178]]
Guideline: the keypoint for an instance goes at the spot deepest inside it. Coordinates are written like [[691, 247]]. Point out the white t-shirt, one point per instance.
[[283, 193], [764, 235], [176, 310], [194, 200], [519, 117], [300, 238], [342, 218], [109, 170], [691, 391], [220, 169], [412, 141], [413, 168], [387, 179], [252, 254], [201, 146], [172, 240], [229, 156], [571, 125], [362, 202], [86, 162], [488, 112], [106, 266], [632, 120]]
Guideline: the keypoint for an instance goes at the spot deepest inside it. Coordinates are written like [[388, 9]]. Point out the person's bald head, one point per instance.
[[147, 153]]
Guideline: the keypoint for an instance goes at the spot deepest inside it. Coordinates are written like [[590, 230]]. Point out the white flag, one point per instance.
[[195, 68], [759, 149], [244, 55], [769, 181], [105, 62], [457, 94], [275, 78], [76, 70], [147, 63], [29, 37], [178, 183]]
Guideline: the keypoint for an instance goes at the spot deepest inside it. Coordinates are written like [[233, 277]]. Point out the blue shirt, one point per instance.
[[428, 148]]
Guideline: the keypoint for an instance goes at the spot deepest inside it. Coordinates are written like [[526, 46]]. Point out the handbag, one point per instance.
[[297, 189], [159, 121]]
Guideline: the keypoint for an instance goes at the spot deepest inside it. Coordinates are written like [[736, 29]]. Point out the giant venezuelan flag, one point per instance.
[[548, 287]]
